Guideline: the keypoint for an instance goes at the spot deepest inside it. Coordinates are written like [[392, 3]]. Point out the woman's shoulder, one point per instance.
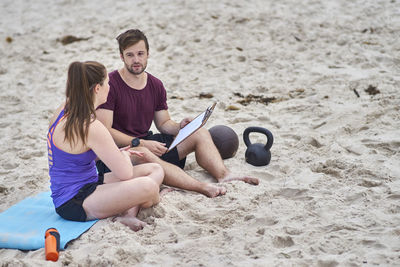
[[96, 125], [97, 134], [97, 129], [56, 113]]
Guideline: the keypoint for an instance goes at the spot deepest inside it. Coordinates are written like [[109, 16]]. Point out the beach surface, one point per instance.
[[323, 76]]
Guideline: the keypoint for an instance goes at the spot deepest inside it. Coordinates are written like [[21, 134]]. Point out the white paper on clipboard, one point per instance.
[[192, 127]]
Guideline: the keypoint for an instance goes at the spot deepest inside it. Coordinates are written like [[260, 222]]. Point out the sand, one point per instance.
[[322, 76]]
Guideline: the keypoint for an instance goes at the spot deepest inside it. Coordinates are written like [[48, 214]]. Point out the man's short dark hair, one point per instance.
[[131, 37]]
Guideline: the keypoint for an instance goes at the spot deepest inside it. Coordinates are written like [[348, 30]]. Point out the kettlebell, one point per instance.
[[258, 154]]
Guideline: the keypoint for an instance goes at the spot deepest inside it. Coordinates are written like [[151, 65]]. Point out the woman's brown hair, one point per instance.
[[79, 107]]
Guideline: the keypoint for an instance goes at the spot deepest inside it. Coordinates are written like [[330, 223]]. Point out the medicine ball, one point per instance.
[[225, 139]]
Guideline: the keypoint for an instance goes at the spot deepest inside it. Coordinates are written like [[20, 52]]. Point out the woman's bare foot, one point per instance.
[[165, 191], [211, 190], [132, 222], [246, 179]]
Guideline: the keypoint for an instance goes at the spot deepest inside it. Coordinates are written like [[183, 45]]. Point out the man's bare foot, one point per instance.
[[246, 179], [132, 222], [211, 190]]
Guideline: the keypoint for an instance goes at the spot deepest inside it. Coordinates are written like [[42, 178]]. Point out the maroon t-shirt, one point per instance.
[[134, 109]]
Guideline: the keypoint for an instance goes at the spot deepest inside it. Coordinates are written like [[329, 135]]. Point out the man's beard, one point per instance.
[[130, 69]]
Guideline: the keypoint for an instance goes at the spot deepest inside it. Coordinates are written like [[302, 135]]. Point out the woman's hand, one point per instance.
[[129, 151]]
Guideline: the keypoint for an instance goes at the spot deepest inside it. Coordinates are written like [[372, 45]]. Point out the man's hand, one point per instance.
[[155, 147], [184, 122]]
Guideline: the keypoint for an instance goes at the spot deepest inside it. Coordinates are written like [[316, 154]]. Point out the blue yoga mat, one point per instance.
[[23, 225]]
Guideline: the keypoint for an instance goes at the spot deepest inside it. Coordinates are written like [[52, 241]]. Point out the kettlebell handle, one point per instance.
[[270, 138]]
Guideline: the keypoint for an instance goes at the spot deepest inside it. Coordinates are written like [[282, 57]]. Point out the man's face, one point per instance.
[[135, 58]]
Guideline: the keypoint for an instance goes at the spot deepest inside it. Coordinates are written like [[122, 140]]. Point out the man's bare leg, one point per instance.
[[208, 157], [176, 177]]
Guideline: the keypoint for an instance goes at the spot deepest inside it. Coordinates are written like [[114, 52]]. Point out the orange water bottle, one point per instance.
[[51, 244]]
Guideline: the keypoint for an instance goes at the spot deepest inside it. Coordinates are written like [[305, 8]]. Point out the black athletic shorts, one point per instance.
[[72, 209], [171, 157]]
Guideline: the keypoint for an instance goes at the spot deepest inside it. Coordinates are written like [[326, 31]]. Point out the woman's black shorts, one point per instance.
[[72, 209]]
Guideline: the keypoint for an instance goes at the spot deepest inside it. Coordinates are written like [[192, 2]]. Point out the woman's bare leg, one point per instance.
[[152, 170], [125, 197]]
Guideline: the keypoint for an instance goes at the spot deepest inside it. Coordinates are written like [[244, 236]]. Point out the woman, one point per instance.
[[76, 138]]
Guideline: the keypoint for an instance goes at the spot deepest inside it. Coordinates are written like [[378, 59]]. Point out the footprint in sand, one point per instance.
[[291, 136], [30, 154], [394, 196], [327, 263], [355, 197], [282, 241], [312, 141], [156, 212], [3, 190], [32, 184], [292, 231], [10, 99], [261, 231], [4, 124], [369, 183], [264, 221], [373, 244], [330, 167], [386, 148], [291, 193], [241, 119], [10, 165]]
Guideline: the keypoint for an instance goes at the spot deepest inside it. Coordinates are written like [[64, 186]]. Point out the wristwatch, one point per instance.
[[135, 142]]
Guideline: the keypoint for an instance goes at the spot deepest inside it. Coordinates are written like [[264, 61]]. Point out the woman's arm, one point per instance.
[[102, 143], [106, 117]]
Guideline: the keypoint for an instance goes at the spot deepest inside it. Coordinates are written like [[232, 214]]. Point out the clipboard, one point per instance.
[[192, 126]]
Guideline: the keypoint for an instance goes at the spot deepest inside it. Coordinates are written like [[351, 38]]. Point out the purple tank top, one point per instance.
[[68, 172]]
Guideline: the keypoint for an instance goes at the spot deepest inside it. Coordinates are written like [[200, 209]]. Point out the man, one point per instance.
[[136, 99]]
